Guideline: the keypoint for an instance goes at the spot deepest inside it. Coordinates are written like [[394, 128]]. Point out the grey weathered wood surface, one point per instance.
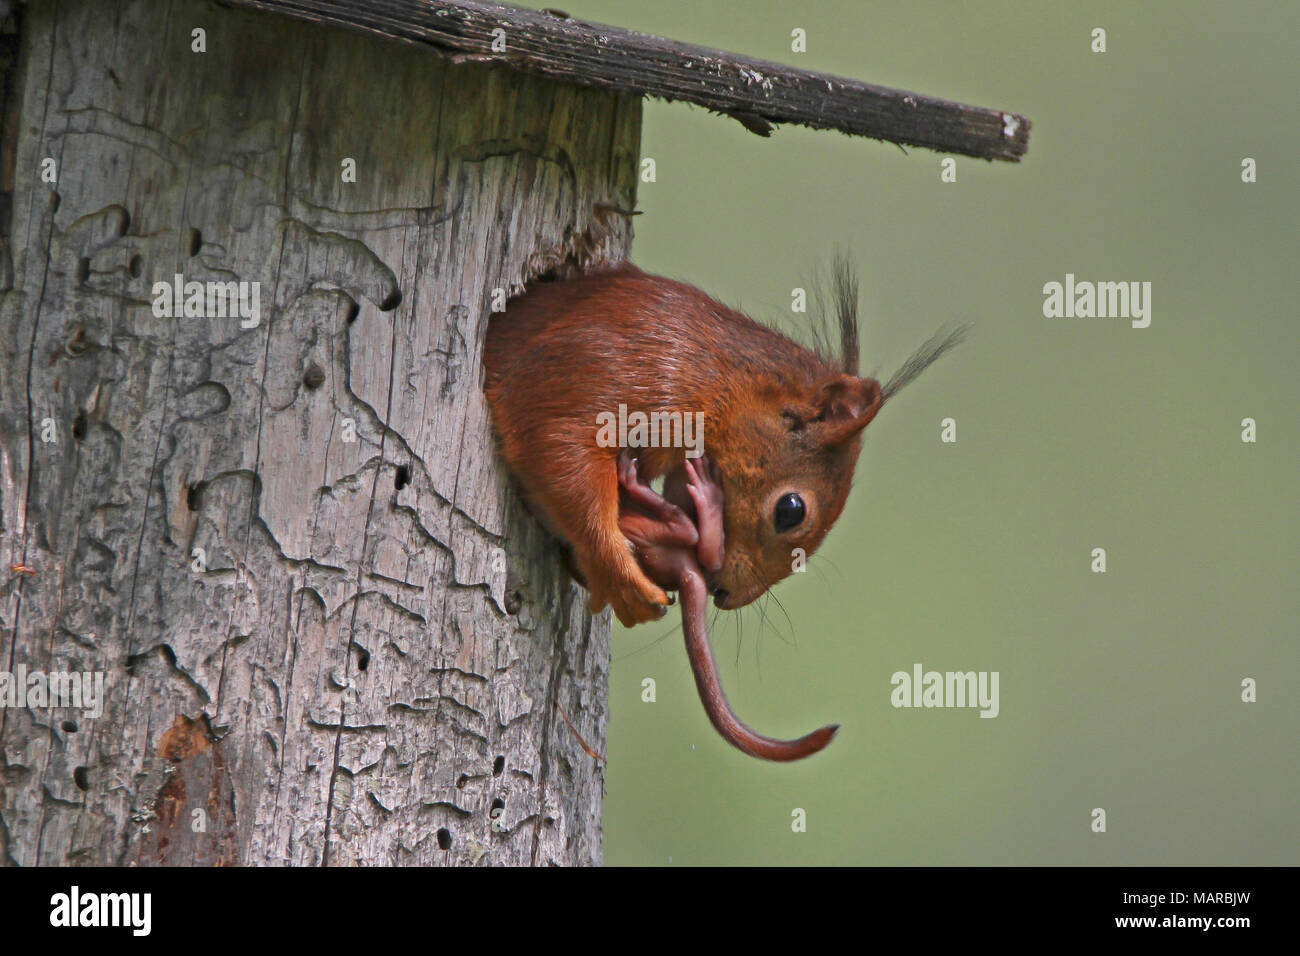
[[355, 670], [757, 92]]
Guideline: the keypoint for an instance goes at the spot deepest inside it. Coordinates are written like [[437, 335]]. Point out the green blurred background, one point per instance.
[[1119, 690]]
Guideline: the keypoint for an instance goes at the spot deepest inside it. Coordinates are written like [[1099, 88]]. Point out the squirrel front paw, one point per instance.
[[634, 598]]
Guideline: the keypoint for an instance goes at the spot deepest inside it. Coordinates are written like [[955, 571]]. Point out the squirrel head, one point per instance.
[[788, 458], [786, 474]]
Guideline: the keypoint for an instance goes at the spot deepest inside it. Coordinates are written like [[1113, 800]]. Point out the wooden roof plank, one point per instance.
[[756, 92]]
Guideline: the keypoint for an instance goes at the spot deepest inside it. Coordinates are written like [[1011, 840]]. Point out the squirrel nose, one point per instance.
[[720, 596]]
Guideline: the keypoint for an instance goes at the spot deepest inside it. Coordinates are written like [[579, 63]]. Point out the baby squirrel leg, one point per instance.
[[704, 485], [701, 479], [651, 521], [655, 519]]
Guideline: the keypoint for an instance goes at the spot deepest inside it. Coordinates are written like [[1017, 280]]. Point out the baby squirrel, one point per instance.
[[670, 549], [782, 432]]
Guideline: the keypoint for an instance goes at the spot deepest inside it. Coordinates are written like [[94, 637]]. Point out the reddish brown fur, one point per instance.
[[777, 419]]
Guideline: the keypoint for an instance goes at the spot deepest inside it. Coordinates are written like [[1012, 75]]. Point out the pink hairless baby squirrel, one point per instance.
[[671, 549]]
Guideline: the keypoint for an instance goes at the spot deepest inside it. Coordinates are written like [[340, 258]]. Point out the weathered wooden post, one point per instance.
[[246, 472], [286, 545]]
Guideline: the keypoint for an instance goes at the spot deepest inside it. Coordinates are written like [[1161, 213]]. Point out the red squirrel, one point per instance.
[[782, 426]]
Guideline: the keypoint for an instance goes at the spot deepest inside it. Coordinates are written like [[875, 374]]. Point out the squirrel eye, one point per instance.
[[789, 512]]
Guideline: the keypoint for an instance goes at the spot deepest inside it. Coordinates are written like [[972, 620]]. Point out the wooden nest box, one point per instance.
[[247, 476]]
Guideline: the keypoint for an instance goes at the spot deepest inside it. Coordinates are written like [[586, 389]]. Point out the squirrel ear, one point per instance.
[[845, 405]]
